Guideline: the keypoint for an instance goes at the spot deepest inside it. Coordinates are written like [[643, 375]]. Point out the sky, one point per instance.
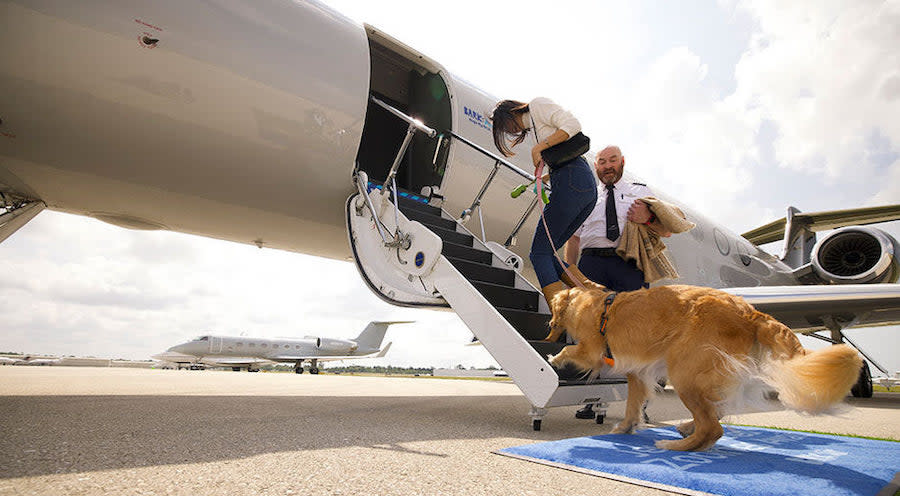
[[738, 108]]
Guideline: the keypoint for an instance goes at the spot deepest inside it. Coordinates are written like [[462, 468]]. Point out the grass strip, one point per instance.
[[817, 432]]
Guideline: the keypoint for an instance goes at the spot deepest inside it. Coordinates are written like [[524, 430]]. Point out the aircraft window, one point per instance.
[[240, 345], [297, 347], [204, 338], [252, 345], [264, 345], [721, 242]]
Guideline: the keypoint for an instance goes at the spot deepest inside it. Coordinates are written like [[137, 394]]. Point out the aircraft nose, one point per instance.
[[179, 348]]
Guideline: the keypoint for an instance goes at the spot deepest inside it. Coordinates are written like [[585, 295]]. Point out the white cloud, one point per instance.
[[826, 73]]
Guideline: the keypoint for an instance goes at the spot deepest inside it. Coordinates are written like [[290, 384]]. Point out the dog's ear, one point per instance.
[[559, 303]]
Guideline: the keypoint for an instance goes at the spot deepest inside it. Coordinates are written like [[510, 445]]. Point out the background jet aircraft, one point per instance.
[[249, 352]]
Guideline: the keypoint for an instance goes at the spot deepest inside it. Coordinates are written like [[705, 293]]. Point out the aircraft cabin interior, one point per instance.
[[415, 90]]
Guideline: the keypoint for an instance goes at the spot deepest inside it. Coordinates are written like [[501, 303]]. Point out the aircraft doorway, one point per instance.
[[215, 344], [417, 89]]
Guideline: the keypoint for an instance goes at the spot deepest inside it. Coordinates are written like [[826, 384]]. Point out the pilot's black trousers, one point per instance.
[[612, 272]]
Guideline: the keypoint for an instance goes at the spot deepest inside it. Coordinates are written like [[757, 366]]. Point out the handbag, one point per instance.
[[564, 152]]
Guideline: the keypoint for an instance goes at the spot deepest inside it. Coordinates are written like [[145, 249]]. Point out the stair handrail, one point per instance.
[[411, 120], [476, 203], [362, 179], [414, 125], [417, 125]]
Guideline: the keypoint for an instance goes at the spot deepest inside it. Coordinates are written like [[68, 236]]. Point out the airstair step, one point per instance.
[[485, 273], [531, 325], [571, 376], [567, 375], [504, 296], [452, 236], [428, 219], [453, 250], [409, 201]]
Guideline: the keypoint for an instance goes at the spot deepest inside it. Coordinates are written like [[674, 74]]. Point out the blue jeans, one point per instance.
[[574, 195]]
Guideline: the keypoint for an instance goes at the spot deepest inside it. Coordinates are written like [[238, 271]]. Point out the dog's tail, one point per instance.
[[806, 381]]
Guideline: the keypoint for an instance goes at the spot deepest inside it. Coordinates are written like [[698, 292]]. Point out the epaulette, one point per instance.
[[639, 184]]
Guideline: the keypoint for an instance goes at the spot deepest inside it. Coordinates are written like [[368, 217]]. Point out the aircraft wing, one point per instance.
[[808, 309], [329, 358], [823, 221]]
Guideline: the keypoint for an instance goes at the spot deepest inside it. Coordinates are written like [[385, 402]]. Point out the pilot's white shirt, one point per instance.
[[593, 231]]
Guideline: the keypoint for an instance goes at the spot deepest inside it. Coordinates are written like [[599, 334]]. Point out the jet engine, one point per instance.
[[335, 345], [856, 255]]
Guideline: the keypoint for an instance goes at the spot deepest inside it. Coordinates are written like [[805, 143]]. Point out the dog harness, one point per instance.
[[607, 303]]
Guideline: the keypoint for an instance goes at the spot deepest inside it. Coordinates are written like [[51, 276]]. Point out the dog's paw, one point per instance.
[[669, 445], [686, 429], [623, 427], [555, 360]]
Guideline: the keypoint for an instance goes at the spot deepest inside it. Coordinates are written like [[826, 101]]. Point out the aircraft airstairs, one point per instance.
[[411, 253]]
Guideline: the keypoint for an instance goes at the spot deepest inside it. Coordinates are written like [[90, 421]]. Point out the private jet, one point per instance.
[[249, 353], [287, 125]]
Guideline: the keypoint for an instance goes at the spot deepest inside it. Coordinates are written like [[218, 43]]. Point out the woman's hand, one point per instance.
[[536, 154]]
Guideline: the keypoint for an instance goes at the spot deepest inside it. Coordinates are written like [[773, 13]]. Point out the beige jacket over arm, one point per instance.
[[645, 247]]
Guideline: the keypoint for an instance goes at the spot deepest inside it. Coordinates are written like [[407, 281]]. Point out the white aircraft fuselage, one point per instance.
[[268, 349], [245, 123]]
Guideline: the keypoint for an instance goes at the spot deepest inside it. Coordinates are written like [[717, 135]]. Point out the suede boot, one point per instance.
[[553, 288]]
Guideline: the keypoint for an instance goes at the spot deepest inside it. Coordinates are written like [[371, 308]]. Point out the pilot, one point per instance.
[[574, 184], [618, 201]]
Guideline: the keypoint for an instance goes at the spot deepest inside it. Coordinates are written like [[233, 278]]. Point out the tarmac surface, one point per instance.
[[66, 430]]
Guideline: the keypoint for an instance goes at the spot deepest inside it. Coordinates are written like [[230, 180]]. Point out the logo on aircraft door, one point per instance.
[[477, 119]]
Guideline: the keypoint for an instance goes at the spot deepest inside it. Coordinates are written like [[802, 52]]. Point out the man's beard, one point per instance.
[[610, 177]]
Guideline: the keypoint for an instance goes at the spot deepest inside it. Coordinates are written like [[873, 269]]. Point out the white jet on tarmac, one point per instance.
[[250, 352]]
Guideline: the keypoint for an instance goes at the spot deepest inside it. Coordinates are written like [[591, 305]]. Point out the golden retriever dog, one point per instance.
[[707, 342]]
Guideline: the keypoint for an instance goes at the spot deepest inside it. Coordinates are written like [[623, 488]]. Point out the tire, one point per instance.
[[863, 387]]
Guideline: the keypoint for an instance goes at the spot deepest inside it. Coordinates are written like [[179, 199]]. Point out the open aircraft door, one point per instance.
[[215, 345]]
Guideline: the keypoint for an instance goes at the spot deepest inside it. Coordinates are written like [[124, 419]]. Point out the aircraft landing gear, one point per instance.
[[863, 387], [299, 370], [313, 370]]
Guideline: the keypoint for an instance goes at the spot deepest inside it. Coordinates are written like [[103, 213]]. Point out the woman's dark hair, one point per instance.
[[504, 118]]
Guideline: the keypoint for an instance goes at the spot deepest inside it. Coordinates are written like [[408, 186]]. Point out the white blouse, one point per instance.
[[548, 117]]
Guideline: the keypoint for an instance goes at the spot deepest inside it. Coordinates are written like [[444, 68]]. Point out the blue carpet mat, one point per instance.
[[745, 461]]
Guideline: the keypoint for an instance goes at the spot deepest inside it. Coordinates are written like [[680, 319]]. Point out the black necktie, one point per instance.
[[612, 219]]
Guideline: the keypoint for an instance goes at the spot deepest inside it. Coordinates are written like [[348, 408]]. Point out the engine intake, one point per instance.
[[856, 255]]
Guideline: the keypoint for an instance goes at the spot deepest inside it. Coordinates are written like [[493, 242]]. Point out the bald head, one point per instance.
[[609, 164]]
